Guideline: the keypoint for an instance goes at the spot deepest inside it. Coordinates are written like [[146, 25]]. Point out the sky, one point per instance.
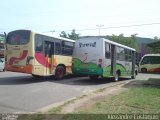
[[85, 16]]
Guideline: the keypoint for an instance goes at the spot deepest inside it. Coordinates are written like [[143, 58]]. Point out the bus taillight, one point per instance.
[[100, 63]]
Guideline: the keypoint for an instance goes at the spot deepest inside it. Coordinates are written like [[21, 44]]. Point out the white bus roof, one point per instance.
[[151, 55], [109, 41]]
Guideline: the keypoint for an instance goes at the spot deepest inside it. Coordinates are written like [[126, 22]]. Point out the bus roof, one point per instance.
[[109, 41], [36, 32], [151, 55], [54, 36]]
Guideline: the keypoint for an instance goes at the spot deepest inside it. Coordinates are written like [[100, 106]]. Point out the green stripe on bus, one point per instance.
[[118, 67], [81, 67]]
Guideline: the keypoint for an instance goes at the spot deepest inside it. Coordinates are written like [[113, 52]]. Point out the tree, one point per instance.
[[156, 38], [73, 35], [128, 41], [63, 34], [134, 42]]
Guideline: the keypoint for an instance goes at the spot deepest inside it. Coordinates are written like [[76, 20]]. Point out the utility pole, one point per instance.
[[99, 28], [52, 31]]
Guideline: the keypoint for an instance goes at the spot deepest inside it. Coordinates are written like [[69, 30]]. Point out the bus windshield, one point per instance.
[[18, 37]]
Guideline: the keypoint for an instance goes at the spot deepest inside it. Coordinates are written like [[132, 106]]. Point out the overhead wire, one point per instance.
[[114, 27]]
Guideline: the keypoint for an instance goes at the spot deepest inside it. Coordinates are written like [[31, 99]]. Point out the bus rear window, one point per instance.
[[18, 37], [1, 46]]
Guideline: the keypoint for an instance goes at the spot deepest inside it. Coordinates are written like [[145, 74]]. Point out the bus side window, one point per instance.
[[120, 54], [128, 55], [156, 60], [107, 50], [67, 48], [38, 43], [52, 49], [48, 49], [57, 48]]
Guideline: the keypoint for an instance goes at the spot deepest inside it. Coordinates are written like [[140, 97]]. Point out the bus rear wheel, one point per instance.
[[60, 71], [134, 75], [93, 77], [116, 77]]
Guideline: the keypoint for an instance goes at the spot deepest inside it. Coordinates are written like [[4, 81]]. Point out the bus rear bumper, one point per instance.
[[88, 72], [22, 69]]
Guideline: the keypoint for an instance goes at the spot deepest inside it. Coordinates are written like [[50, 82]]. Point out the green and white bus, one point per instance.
[[150, 63], [97, 57]]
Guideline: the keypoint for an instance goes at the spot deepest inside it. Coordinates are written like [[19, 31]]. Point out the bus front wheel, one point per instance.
[[144, 70], [60, 71], [37, 76]]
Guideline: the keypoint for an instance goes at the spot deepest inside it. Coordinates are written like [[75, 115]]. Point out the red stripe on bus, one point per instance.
[[23, 56], [40, 57], [155, 70]]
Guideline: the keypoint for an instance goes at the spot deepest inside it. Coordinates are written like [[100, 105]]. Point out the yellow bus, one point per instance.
[[38, 54], [150, 63]]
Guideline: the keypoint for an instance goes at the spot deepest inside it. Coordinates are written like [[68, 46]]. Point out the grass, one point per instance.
[[135, 100], [141, 99], [58, 109], [31, 117]]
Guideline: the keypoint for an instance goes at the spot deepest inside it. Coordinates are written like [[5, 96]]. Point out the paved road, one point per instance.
[[23, 93]]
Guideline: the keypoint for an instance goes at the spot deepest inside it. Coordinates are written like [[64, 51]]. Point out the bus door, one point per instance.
[[133, 57], [108, 62], [49, 56], [39, 56], [128, 61], [113, 60]]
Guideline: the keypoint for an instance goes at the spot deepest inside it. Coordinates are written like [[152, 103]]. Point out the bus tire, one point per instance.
[[144, 70], [134, 75], [136, 72], [60, 71], [93, 77], [116, 77], [37, 76]]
